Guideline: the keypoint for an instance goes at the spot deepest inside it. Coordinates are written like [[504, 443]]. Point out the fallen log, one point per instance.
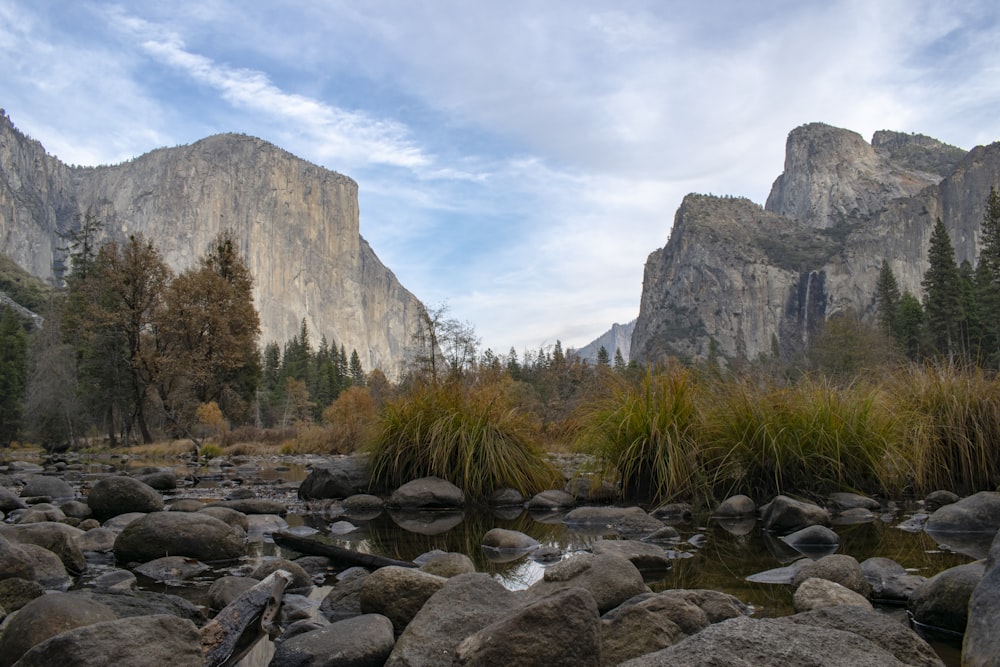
[[259, 604], [310, 547]]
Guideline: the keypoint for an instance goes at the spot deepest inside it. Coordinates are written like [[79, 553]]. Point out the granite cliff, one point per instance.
[[297, 225], [617, 338], [759, 279]]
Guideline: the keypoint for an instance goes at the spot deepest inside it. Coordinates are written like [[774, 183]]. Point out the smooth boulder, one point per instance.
[[978, 513], [981, 645], [785, 515], [427, 493], [112, 496], [192, 534], [362, 641], [44, 617], [325, 483], [942, 602]]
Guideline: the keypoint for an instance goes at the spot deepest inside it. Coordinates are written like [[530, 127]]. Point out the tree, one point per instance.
[[887, 298], [987, 277], [13, 370], [357, 371], [54, 414], [943, 293], [911, 326], [619, 360], [603, 358], [442, 343]]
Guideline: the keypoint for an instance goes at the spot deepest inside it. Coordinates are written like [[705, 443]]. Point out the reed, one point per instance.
[[472, 436]]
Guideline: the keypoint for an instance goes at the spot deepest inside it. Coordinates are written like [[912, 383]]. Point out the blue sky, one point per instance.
[[517, 161]]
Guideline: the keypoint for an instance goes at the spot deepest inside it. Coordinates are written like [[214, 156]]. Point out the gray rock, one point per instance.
[[49, 571], [552, 500], [76, 509], [464, 605], [42, 513], [44, 617], [363, 641], [15, 561], [116, 580], [362, 506], [610, 578], [161, 480], [144, 640], [229, 516], [841, 501], [842, 569], [643, 555], [253, 506], [130, 603], [890, 582], [344, 599], [326, 482], [562, 629], [398, 593], [785, 515], [16, 592], [99, 540], [981, 645], [115, 495], [815, 593], [43, 485], [226, 589], [9, 501], [58, 538], [427, 493], [506, 497], [504, 539], [185, 505], [943, 601], [938, 499], [813, 539], [120, 522], [191, 534], [448, 564], [674, 512], [978, 513], [736, 506], [301, 580], [746, 642], [171, 569]]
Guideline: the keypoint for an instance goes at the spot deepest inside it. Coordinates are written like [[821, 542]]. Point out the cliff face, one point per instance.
[[759, 280], [297, 225], [617, 338]]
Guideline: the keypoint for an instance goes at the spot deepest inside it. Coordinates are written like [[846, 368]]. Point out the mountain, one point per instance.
[[297, 226], [618, 337], [750, 279]]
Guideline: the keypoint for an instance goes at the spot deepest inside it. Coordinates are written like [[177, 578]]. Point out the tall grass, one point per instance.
[[645, 433], [472, 436], [954, 421]]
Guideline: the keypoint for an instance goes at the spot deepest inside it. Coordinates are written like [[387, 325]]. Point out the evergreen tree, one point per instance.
[[911, 326], [603, 358], [887, 298], [357, 371], [970, 327], [987, 278], [13, 371], [943, 294], [619, 360]]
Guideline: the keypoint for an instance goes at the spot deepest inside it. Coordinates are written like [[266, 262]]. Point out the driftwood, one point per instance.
[[260, 604], [346, 556]]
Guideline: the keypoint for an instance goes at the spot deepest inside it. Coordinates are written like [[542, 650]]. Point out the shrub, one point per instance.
[[473, 437], [351, 418]]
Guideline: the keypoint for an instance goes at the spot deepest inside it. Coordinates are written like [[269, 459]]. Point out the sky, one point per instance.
[[517, 162]]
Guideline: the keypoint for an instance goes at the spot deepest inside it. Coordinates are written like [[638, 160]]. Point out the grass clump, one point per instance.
[[471, 436], [644, 431]]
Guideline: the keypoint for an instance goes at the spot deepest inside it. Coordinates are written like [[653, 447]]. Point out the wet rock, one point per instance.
[[301, 580], [610, 578], [115, 580], [937, 499], [16, 592], [130, 603], [226, 589], [58, 538], [44, 485], [667, 534], [48, 569], [785, 515], [191, 534], [552, 500], [943, 601], [171, 569], [736, 506], [674, 512], [45, 617], [513, 540], [506, 497], [362, 506], [115, 495], [978, 513], [643, 555], [981, 645], [427, 493], [344, 599], [562, 629], [448, 564], [841, 501], [814, 593], [890, 582], [363, 640], [842, 569], [146, 640], [398, 593], [326, 483], [813, 540], [41, 513], [120, 522]]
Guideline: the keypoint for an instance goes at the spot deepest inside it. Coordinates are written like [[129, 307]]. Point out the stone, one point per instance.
[[58, 538], [643, 555], [505, 497], [464, 605], [324, 482], [552, 500], [15, 562], [943, 601], [610, 578], [48, 570], [815, 593], [111, 496], [99, 540], [644, 626], [981, 644], [44, 617], [841, 501], [226, 589], [978, 513], [161, 480], [890, 582], [143, 640], [398, 593], [253, 506], [126, 603], [840, 568], [813, 539], [674, 512], [229, 516], [120, 522], [191, 534], [362, 506], [40, 514], [185, 505], [785, 515], [736, 506], [116, 580], [448, 564], [560, 630], [44, 485], [427, 493], [9, 501], [16, 592], [937, 499], [76, 509], [171, 569], [504, 539], [344, 599], [361, 641], [301, 580]]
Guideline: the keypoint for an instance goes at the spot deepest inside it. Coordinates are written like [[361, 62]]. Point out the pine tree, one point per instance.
[[13, 370], [911, 326], [619, 360], [603, 358], [887, 300], [987, 278], [943, 293]]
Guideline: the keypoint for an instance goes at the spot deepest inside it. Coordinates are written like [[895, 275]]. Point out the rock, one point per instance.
[[665, 535], [512, 540], [938, 499], [590, 488], [325, 483], [356, 642], [130, 603], [647, 623], [144, 640], [464, 605], [226, 589], [195, 535], [115, 580], [643, 555], [252, 506], [785, 515], [76, 509], [981, 645], [890, 582], [301, 580], [229, 516], [427, 493], [58, 538], [881, 629], [362, 506], [815, 593], [185, 505], [49, 571], [161, 480], [447, 565], [99, 540], [9, 501], [15, 562], [610, 578], [747, 642], [120, 522], [674, 512], [43, 485], [16, 592], [853, 516], [111, 496], [943, 601], [44, 617], [171, 569], [505, 497], [398, 593], [842, 501], [842, 569], [813, 540], [344, 599], [978, 513], [42, 513], [552, 500], [562, 629], [736, 506]]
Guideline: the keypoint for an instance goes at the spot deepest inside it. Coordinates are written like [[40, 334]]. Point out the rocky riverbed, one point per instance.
[[112, 562]]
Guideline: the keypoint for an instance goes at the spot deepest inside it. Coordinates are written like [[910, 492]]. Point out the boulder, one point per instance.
[[506, 497], [842, 569], [99, 540], [40, 513], [362, 506], [643, 555], [185, 505], [127, 603], [427, 493], [9, 501], [447, 564], [509, 540], [981, 645], [171, 569], [253, 506], [464, 605], [115, 495], [785, 515], [890, 582], [120, 522], [326, 483], [942, 602], [161, 480], [15, 561], [815, 593], [116, 580], [301, 580], [49, 571], [736, 506], [938, 499], [647, 623], [344, 599], [610, 578], [144, 640], [44, 485], [191, 534], [747, 642], [229, 516], [552, 500], [59, 538], [978, 513], [44, 617], [674, 512], [841, 501], [562, 629], [76, 509], [361, 641], [813, 540], [226, 589], [16, 592], [398, 593]]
